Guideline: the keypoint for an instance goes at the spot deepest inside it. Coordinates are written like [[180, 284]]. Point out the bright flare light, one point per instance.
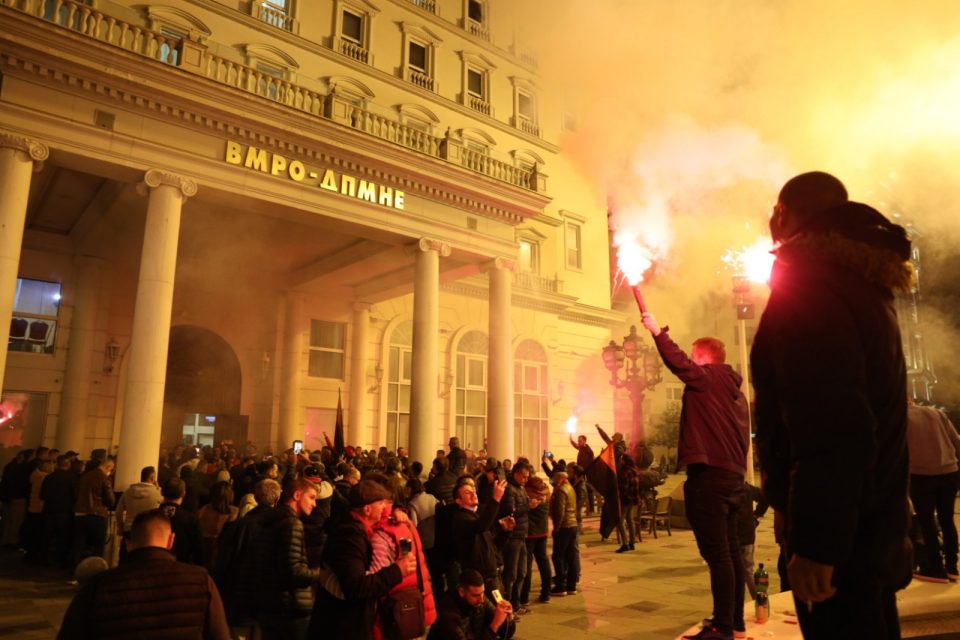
[[633, 258], [754, 262], [572, 424]]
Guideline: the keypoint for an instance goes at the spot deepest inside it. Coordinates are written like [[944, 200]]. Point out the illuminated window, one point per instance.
[[530, 399], [529, 256], [572, 241], [327, 349], [471, 390], [399, 370], [36, 307]]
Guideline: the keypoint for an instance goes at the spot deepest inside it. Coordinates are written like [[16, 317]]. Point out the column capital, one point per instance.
[[430, 244], [35, 151], [153, 178], [501, 262], [361, 306]]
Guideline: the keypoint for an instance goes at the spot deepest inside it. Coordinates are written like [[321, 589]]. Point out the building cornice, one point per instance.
[[82, 65], [365, 69], [594, 316]]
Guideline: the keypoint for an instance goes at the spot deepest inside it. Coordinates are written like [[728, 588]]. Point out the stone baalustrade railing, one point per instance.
[[192, 55], [532, 281]]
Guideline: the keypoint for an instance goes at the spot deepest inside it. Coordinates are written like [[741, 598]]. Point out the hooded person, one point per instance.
[[830, 380]]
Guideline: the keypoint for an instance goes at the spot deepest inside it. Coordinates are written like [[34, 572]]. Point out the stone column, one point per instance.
[[500, 366], [72, 425], [291, 413], [19, 157], [140, 429], [357, 408], [426, 358]]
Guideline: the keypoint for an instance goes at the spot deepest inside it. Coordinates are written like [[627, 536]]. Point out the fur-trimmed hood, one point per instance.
[[858, 238]]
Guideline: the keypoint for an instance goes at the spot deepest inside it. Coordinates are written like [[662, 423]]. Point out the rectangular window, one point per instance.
[[526, 107], [327, 349], [475, 11], [475, 83], [418, 57], [529, 257], [36, 306], [675, 393], [352, 27], [574, 253]]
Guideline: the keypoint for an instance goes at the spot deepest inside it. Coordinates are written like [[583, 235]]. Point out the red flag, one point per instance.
[[602, 475], [338, 445]]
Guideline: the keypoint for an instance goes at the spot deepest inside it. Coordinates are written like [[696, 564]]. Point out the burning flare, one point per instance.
[[754, 262]]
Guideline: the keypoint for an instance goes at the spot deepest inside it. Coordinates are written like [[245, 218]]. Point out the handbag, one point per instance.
[[401, 613]]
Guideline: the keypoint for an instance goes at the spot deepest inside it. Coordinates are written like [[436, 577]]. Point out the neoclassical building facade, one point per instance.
[[220, 216]]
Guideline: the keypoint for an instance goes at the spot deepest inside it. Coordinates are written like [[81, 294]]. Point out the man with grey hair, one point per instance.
[[830, 381]]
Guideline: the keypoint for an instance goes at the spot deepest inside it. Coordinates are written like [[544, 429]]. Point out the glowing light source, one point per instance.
[[633, 257], [754, 262], [572, 424]]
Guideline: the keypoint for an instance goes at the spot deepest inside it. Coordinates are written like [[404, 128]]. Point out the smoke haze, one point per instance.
[[691, 115]]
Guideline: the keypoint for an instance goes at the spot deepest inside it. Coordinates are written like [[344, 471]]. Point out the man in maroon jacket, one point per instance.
[[714, 436]]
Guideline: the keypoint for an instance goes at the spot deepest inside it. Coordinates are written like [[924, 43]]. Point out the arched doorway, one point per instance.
[[201, 402]]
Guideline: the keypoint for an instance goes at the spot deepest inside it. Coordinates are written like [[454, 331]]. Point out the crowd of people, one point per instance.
[[314, 543]]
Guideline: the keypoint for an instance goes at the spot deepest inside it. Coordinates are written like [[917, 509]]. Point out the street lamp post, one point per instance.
[[745, 311], [641, 372]]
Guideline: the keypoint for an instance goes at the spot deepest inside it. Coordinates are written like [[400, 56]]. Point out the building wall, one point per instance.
[[247, 235]]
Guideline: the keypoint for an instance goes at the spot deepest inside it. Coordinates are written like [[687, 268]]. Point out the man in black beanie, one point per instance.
[[830, 381]]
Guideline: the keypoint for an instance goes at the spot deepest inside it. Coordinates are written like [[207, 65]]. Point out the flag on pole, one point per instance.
[[338, 446], [602, 475]]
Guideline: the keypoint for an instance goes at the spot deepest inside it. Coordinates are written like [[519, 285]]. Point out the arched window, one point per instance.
[[530, 400], [471, 390], [399, 366]]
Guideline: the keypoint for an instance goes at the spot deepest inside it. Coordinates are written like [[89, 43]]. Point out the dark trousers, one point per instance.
[[861, 608], [514, 569], [89, 537], [712, 498], [58, 537], [936, 494], [31, 537], [566, 558], [536, 550], [279, 626]]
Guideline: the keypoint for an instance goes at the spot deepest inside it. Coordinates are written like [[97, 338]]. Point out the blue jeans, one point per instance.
[[536, 549], [712, 498]]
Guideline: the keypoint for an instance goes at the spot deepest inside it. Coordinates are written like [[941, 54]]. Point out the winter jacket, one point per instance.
[[286, 580], [830, 381], [151, 595], [347, 554], [563, 507], [386, 548], [713, 421], [188, 543], [423, 512], [515, 503], [629, 480], [59, 492], [473, 539], [94, 494], [441, 486], [457, 620]]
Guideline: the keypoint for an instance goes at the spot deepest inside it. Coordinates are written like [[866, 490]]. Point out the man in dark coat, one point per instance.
[[467, 614], [515, 506], [59, 495], [714, 436], [188, 542], [473, 532], [286, 579], [830, 380], [151, 595], [346, 604], [442, 482]]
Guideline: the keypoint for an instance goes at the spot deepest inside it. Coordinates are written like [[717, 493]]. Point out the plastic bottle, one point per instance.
[[761, 579], [763, 607]]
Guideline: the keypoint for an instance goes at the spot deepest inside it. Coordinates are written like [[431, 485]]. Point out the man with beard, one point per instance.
[[467, 614], [830, 380]]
